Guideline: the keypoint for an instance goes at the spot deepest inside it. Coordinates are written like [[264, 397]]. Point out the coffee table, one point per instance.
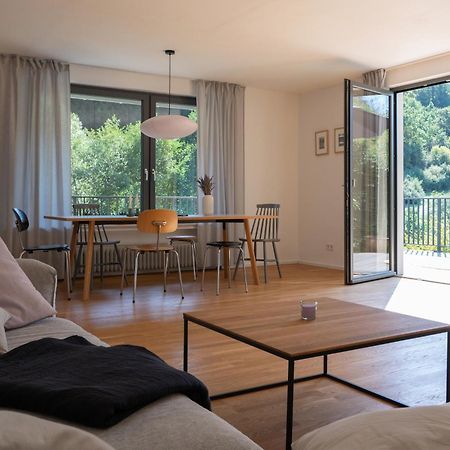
[[339, 327]]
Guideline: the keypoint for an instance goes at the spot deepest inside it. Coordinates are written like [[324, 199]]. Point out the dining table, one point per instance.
[[93, 220]]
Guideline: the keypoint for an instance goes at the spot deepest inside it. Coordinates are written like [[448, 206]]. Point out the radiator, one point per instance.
[[148, 262]]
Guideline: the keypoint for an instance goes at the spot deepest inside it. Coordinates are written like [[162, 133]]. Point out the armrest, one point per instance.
[[43, 277]]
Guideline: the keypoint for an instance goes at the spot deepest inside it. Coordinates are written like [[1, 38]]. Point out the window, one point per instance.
[[113, 164]]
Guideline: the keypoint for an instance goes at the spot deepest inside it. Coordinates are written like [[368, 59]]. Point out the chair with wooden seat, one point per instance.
[[22, 224], [154, 221], [264, 231], [101, 239], [219, 246], [192, 241]]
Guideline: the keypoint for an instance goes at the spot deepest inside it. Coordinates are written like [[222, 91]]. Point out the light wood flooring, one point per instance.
[[412, 372]]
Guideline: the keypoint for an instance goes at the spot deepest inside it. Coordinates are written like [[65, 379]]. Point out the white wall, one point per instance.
[[272, 160], [271, 144], [321, 179]]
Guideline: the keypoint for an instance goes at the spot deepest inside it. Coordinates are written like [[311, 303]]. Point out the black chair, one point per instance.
[[22, 225], [264, 231], [100, 239], [228, 245]]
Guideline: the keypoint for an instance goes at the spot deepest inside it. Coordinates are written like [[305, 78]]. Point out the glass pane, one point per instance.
[[106, 152], [371, 183], [176, 166]]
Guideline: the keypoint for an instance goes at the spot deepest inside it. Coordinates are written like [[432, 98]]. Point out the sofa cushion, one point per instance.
[[420, 428], [18, 295], [4, 316], [54, 327], [23, 431]]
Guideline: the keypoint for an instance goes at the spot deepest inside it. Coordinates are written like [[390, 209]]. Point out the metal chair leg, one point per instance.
[[179, 273], [238, 262], [119, 261], [124, 264], [276, 258], [229, 270], [67, 274], [265, 261], [21, 255], [166, 263], [101, 263], [204, 268], [194, 258], [241, 252], [218, 271], [136, 261]]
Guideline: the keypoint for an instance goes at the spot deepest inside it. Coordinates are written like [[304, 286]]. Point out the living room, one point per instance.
[[293, 90]]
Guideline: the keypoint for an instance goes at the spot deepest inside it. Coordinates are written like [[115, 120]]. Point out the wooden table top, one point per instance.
[[339, 326], [181, 219]]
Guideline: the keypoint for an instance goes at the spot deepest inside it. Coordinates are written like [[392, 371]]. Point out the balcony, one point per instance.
[[427, 238], [113, 205]]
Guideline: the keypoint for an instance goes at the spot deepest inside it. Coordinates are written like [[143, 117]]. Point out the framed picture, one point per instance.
[[322, 142], [339, 140]]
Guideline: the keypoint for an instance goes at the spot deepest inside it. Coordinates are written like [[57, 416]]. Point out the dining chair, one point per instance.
[[264, 231], [101, 240], [22, 224], [153, 221], [192, 241], [219, 246]]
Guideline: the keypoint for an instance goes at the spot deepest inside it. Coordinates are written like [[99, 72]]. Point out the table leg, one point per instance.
[[226, 259], [447, 385], [88, 262], [290, 404], [73, 243], [185, 345], [251, 252]]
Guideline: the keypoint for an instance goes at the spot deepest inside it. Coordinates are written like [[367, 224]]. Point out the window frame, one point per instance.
[[148, 145]]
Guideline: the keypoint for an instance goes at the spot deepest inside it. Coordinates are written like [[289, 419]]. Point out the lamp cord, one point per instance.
[[170, 77]]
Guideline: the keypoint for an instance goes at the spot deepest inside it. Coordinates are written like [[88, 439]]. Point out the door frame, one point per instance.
[[348, 184]]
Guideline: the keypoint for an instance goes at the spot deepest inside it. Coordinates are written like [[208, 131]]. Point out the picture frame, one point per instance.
[[322, 142], [339, 140]]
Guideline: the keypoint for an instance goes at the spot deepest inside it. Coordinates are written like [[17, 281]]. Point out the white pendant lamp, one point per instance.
[[171, 126]]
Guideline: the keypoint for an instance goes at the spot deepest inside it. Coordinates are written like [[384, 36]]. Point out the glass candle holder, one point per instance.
[[308, 309]]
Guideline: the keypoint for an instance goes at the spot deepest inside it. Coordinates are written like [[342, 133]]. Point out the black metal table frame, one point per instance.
[[291, 380]]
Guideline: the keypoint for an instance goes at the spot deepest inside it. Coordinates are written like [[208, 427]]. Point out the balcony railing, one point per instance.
[[118, 205], [427, 223]]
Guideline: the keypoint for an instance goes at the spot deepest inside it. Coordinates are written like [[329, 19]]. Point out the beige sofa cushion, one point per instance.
[[4, 316], [20, 431], [420, 428], [18, 296]]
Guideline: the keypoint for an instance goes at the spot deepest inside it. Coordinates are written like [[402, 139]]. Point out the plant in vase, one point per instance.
[[206, 184]]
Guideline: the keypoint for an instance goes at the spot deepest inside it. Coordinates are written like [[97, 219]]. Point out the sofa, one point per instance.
[[173, 422]]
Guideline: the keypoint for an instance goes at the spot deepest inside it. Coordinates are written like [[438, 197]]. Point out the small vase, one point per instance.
[[208, 205]]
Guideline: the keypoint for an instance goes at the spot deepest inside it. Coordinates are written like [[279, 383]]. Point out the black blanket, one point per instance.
[[74, 380]]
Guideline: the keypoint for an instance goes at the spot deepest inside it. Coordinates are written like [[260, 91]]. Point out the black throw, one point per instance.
[[77, 381]]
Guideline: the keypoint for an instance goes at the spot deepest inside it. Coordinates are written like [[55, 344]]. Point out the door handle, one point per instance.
[[154, 174], [146, 174]]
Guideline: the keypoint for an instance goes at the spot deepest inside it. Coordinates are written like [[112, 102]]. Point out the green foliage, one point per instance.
[[105, 161], [412, 187], [426, 126]]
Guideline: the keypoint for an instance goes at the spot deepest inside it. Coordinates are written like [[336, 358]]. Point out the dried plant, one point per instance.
[[206, 184]]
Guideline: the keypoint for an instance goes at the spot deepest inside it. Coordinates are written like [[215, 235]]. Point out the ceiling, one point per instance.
[[291, 45]]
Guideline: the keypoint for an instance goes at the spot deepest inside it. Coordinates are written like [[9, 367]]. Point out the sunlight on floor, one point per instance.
[[421, 299]]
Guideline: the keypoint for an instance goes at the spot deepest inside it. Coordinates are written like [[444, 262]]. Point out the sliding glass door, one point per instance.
[[369, 176]]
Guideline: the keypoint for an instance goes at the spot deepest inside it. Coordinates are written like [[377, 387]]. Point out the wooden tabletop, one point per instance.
[[339, 326], [181, 219]]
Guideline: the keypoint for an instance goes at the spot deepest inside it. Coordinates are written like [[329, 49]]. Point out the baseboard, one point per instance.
[[325, 266]]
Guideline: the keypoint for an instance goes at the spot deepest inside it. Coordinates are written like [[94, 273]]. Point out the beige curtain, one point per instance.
[[375, 78], [34, 148], [220, 137]]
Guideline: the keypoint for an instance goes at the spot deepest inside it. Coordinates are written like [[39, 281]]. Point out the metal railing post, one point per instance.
[[438, 233]]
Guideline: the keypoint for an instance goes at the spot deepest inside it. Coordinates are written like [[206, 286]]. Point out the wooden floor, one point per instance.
[[412, 372]]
